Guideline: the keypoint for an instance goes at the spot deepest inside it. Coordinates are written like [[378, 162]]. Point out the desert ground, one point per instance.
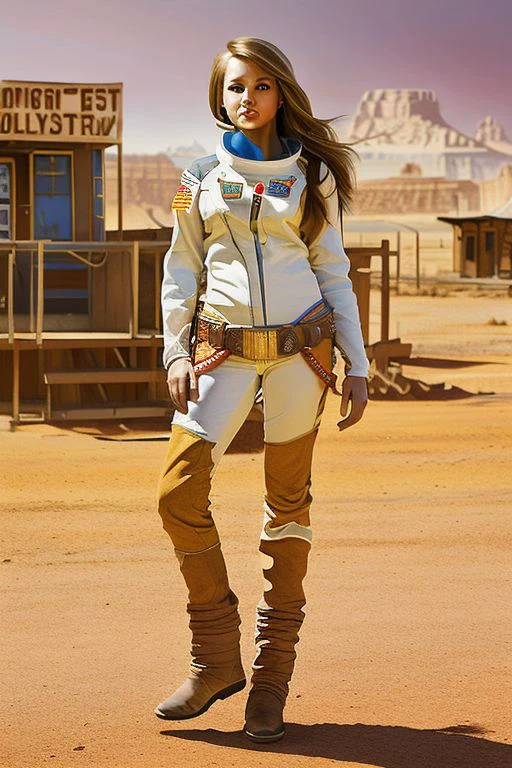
[[404, 657]]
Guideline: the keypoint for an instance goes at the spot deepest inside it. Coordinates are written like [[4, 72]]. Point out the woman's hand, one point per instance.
[[182, 383], [355, 390]]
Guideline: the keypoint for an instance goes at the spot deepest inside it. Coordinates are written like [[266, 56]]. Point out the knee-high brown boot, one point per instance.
[[285, 544], [216, 670]]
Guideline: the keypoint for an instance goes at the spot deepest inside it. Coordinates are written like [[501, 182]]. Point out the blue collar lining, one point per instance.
[[238, 144]]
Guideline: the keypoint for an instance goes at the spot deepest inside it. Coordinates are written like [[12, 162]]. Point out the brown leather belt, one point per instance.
[[264, 342]]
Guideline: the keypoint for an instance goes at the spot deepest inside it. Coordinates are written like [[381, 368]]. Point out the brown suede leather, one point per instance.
[[216, 670], [264, 716], [279, 612], [183, 491]]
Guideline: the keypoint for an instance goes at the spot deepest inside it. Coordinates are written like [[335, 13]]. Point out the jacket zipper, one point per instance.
[[259, 259], [257, 199]]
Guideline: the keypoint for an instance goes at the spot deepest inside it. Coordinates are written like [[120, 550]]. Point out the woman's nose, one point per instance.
[[246, 97]]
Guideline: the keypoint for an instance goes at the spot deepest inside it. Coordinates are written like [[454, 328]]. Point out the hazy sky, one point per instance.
[[162, 50]]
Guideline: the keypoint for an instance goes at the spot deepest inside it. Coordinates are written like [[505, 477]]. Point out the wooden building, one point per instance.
[[74, 332], [482, 245]]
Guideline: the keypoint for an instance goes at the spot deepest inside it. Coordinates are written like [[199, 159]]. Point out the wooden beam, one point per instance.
[[112, 412], [40, 292], [158, 283], [384, 310], [10, 296], [104, 376], [16, 385], [119, 190], [135, 288]]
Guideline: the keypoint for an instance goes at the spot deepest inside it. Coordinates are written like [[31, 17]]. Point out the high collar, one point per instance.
[[242, 154]]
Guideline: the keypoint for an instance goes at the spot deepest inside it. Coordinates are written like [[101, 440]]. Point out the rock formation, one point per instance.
[[393, 126], [493, 134]]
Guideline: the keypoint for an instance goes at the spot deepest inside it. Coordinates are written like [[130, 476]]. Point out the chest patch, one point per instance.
[[280, 187], [231, 190]]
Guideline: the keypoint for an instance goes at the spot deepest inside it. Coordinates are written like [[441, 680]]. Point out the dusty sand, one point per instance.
[[405, 652]]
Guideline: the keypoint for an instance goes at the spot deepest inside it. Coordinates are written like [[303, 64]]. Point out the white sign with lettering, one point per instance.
[[84, 112]]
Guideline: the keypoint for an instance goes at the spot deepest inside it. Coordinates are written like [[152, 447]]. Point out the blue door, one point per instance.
[[66, 278]]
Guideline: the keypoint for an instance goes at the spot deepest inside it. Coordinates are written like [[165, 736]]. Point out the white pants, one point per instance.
[[293, 400]]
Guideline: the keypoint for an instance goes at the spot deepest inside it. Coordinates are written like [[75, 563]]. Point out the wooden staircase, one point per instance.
[[102, 379]]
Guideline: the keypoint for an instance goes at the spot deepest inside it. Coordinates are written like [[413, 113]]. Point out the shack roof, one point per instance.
[[503, 212]]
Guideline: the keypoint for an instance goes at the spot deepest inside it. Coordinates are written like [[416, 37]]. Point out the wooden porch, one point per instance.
[[106, 362]]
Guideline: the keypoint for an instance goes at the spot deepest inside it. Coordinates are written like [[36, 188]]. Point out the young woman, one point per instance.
[[263, 216]]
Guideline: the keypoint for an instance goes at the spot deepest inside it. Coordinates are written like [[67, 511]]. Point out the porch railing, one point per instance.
[[94, 255]]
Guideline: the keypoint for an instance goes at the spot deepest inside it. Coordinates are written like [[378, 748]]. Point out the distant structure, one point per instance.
[[149, 184], [412, 193], [393, 126], [495, 192], [483, 244], [411, 169]]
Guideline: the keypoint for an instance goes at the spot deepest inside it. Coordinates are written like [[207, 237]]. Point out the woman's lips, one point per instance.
[[248, 113]]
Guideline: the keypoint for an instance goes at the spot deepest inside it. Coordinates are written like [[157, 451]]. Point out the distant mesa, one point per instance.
[[181, 156], [492, 134], [391, 123]]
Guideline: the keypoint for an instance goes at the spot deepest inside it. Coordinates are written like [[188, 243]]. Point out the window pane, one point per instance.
[[5, 194], [52, 217], [470, 248], [52, 174], [97, 169]]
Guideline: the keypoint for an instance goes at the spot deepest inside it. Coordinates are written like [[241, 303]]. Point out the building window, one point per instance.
[[98, 197], [489, 241], [470, 248], [53, 204], [5, 201], [66, 289]]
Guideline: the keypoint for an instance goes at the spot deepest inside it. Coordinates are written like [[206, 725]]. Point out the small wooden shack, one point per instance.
[[482, 245]]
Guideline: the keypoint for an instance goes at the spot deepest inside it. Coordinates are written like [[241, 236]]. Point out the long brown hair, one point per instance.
[[295, 119]]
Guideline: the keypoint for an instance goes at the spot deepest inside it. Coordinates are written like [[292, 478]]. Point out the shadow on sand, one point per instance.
[[384, 746]]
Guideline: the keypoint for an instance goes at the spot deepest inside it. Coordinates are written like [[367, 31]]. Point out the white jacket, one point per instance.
[[270, 278]]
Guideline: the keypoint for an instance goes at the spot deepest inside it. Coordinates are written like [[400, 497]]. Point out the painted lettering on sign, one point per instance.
[[66, 111]]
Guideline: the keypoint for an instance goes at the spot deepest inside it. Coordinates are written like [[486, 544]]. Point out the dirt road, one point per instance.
[[405, 651]]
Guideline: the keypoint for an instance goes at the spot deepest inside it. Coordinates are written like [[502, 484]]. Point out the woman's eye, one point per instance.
[[239, 88]]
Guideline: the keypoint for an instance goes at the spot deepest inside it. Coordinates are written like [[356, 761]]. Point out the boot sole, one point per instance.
[[225, 693], [264, 739]]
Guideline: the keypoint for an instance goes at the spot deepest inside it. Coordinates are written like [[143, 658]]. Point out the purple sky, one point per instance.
[[162, 51]]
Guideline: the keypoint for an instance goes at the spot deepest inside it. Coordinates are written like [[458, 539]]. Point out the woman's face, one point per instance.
[[251, 96]]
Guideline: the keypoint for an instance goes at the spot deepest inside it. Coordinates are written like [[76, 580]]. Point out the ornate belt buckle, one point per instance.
[[289, 342], [314, 335]]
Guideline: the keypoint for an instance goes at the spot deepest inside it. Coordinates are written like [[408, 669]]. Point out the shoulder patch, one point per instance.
[[187, 190], [190, 182]]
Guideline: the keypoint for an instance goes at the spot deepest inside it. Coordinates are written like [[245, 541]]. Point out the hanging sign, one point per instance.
[[62, 112]]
